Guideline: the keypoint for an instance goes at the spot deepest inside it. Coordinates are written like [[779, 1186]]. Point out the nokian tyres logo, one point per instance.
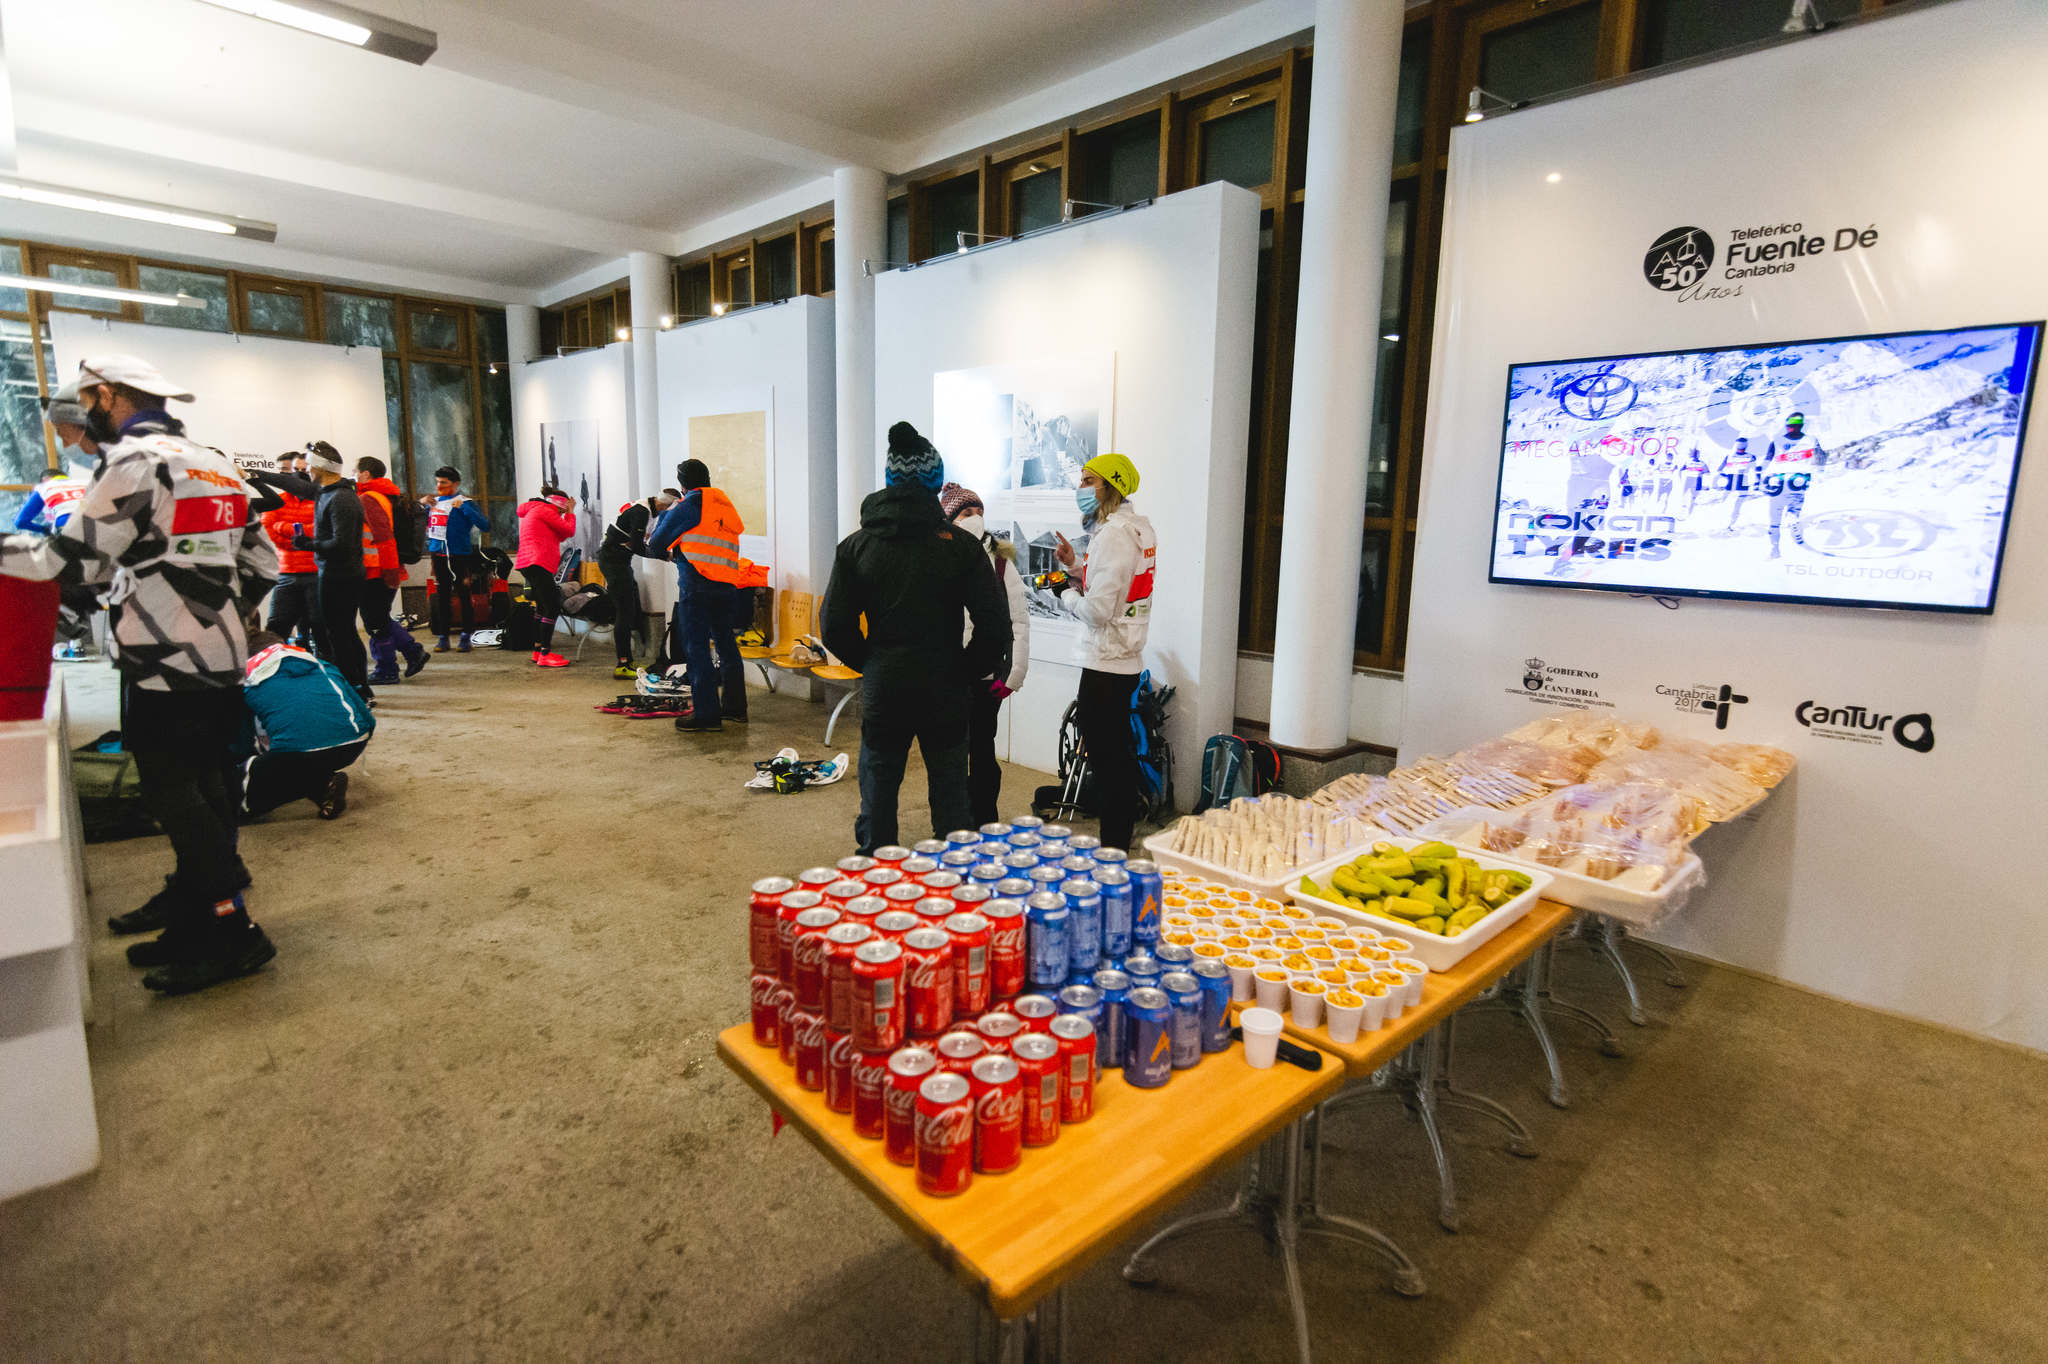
[[1679, 259]]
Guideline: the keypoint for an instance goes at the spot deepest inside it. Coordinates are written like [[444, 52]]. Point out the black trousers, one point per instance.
[[624, 590], [984, 773], [180, 741], [934, 714], [334, 628], [546, 595], [276, 779], [453, 576], [293, 604], [1103, 715]]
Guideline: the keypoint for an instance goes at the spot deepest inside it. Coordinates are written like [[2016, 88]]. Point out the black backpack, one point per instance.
[[409, 529]]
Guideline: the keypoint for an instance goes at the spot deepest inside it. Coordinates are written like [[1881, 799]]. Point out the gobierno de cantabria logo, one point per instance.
[[1679, 259]]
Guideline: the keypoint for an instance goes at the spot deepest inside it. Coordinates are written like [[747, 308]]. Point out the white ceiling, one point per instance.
[[544, 139]]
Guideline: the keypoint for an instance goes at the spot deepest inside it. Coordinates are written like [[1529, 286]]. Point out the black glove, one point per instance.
[[300, 540]]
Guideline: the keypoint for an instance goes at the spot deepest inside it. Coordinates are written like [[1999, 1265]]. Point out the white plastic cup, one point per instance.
[[1271, 994], [1375, 1011], [1240, 982], [1413, 995], [1261, 1036], [1306, 1006], [1343, 1022]]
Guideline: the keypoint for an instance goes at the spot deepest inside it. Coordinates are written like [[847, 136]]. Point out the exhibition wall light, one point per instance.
[[57, 286], [141, 210], [1476, 102], [960, 240], [343, 24], [1804, 18]]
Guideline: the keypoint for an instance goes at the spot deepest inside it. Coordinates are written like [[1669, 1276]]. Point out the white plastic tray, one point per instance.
[[1437, 953], [1638, 908], [1273, 888]]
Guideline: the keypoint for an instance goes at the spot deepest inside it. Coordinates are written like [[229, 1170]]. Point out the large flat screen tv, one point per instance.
[[1854, 471]]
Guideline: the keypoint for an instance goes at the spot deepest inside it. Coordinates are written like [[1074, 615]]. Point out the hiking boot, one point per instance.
[[690, 724], [462, 644], [416, 660], [441, 645], [162, 950], [236, 953], [152, 917], [336, 799]]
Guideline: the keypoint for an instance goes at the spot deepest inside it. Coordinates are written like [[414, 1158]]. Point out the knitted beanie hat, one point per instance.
[[912, 460], [955, 500]]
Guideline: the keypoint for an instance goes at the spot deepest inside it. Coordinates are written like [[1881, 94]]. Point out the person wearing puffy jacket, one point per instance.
[[985, 695], [304, 725], [1114, 601], [383, 573], [545, 521], [287, 502]]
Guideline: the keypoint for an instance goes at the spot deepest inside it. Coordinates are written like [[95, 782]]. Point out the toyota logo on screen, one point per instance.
[[1679, 259], [1599, 396]]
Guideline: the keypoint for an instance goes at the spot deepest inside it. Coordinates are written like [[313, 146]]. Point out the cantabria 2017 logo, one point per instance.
[[1679, 259]]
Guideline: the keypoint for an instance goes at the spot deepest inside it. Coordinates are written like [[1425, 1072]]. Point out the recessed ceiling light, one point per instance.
[[344, 24], [141, 210], [1553, 177], [57, 286]]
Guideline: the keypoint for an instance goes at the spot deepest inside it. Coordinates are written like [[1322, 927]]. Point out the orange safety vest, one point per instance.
[[373, 562], [712, 547]]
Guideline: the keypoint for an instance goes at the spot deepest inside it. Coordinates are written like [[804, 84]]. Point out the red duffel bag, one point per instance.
[[28, 627]]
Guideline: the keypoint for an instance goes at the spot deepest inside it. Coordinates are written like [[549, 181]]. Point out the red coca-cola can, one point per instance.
[[785, 1035], [903, 894], [893, 924], [854, 864], [817, 878], [945, 1134], [970, 896], [807, 1028], [960, 1049], [767, 1017], [881, 878], [870, 1083], [866, 908], [839, 892], [998, 1028], [935, 909], [1038, 1066], [1036, 1011], [1007, 963], [763, 953], [1076, 1036], [840, 941], [891, 856], [928, 980], [998, 1114], [971, 994], [808, 955], [909, 1067], [839, 1054], [793, 903], [917, 865], [878, 995], [941, 882]]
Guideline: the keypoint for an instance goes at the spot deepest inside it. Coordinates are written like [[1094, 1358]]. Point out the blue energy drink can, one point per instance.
[[1148, 1042], [1078, 864], [1116, 911], [1115, 988], [995, 833], [1147, 889], [1014, 887], [1084, 923], [1024, 841], [1175, 956], [1020, 860], [1083, 843], [1111, 857], [1030, 822], [1084, 1000], [963, 838], [990, 874], [1185, 995], [1046, 877], [1143, 968], [1045, 939], [1213, 977]]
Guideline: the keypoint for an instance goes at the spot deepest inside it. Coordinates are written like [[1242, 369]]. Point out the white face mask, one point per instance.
[[972, 524]]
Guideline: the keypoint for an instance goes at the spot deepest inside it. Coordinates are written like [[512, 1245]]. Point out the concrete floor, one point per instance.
[[472, 1111]]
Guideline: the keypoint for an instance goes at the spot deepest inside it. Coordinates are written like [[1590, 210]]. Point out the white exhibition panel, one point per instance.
[[778, 359], [1878, 873], [1169, 291], [257, 396], [589, 386]]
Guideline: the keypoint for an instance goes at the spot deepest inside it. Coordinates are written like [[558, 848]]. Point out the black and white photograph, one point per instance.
[[568, 460]]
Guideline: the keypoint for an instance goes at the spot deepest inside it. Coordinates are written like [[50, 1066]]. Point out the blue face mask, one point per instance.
[[1085, 499]]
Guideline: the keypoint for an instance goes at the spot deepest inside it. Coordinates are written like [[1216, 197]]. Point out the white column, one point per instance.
[[522, 343], [647, 275], [860, 213], [1336, 354], [522, 332]]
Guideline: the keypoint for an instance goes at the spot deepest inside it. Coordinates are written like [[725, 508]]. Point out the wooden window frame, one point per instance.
[[723, 264], [1001, 177], [1197, 115], [465, 344], [812, 239], [38, 258]]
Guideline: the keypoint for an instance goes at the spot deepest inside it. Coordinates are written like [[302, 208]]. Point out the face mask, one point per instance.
[[1085, 499], [973, 525], [99, 425]]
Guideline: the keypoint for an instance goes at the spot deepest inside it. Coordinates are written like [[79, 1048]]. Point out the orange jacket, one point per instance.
[[380, 542], [278, 523]]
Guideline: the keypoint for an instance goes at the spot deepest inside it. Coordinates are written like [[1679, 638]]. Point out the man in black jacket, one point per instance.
[[913, 576], [625, 538], [337, 545]]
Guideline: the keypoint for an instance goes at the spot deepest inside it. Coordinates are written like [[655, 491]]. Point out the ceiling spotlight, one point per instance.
[[344, 24], [1476, 102], [718, 310], [54, 286], [1390, 336], [625, 333], [667, 321], [1804, 18], [141, 210], [1552, 178], [493, 367]]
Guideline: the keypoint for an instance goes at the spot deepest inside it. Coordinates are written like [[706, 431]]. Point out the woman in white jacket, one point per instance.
[[962, 507], [1114, 600]]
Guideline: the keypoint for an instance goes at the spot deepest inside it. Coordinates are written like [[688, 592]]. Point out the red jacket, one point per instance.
[[542, 528], [380, 543], [278, 523]]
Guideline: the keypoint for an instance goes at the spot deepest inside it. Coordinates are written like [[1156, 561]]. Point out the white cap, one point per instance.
[[130, 371]]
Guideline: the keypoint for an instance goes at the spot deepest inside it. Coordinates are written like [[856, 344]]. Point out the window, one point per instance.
[[12, 300], [693, 290], [733, 278], [776, 261], [1537, 57], [394, 410], [361, 320], [898, 234], [78, 267], [1232, 137], [200, 284], [1408, 99], [279, 308], [1116, 165], [827, 264], [951, 208], [443, 420], [1035, 199], [437, 329], [24, 452], [1676, 29]]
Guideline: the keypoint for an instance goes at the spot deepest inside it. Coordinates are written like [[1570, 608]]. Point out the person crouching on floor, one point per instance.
[[305, 725]]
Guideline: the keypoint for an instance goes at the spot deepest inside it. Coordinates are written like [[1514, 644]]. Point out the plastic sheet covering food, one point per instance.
[[1266, 836], [1550, 764], [1722, 792], [1762, 764], [1635, 835], [1587, 733]]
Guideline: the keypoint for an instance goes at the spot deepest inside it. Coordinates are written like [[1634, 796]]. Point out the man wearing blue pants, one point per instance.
[[701, 532]]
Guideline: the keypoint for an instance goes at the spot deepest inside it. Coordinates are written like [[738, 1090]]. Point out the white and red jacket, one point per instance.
[[1114, 599]]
